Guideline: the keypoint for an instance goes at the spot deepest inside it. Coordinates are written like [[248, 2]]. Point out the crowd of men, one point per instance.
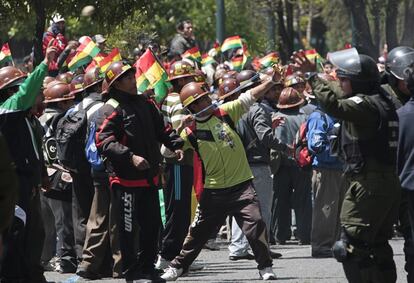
[[85, 159]]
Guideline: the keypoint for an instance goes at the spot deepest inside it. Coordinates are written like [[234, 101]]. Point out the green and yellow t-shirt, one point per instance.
[[222, 151]]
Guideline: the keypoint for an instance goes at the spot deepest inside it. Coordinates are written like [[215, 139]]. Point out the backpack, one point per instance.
[[198, 166], [302, 154], [49, 140], [91, 151], [92, 154], [71, 136]]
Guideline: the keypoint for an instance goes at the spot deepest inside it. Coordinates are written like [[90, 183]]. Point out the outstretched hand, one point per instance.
[[302, 63], [50, 52]]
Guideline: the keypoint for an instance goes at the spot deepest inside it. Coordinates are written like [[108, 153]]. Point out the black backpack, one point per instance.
[[49, 140], [71, 134]]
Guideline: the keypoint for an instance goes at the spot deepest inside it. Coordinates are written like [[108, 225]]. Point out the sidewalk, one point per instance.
[[296, 265]]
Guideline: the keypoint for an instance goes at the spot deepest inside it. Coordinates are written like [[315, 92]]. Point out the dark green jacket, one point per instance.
[[360, 116]]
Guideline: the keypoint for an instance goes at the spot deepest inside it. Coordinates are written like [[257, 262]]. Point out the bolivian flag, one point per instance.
[[114, 56], [269, 60], [5, 54], [151, 74], [246, 54], [237, 63], [84, 54], [193, 54], [207, 60], [312, 54], [232, 42]]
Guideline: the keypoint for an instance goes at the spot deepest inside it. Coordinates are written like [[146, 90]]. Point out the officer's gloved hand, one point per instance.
[[302, 63], [340, 248]]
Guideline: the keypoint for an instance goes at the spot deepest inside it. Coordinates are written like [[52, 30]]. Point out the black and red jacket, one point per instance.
[[131, 124]]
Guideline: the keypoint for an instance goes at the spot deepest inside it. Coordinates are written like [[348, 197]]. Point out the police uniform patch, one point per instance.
[[356, 99]]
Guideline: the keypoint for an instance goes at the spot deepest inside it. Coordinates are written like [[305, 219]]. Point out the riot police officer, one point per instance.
[[403, 67], [397, 60], [367, 144], [393, 82]]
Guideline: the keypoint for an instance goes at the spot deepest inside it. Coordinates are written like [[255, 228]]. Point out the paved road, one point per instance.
[[296, 265]]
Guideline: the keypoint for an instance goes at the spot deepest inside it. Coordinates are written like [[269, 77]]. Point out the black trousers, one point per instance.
[[24, 243], [177, 198], [407, 198], [82, 197], [138, 206], [292, 189]]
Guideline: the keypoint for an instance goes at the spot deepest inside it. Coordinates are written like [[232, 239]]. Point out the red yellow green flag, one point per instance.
[[232, 42], [151, 74], [246, 54], [237, 63], [206, 60], [84, 53], [312, 54], [91, 65], [269, 60], [113, 56], [5, 53], [193, 54]]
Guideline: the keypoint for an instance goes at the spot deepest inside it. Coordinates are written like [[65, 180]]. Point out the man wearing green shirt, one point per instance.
[[17, 95], [227, 177]]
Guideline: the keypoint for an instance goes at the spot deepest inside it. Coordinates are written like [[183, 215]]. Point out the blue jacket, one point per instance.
[[319, 127], [405, 151]]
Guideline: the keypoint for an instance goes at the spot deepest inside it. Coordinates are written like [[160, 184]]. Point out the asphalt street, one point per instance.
[[296, 265]]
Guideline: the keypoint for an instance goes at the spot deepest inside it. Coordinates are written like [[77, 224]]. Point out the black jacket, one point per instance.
[[405, 151], [131, 124], [257, 135]]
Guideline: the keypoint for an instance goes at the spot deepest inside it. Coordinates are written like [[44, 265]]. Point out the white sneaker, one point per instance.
[[172, 273], [212, 245], [162, 263], [267, 273], [195, 266]]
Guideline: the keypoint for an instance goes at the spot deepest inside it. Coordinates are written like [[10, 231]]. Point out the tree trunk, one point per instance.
[[286, 41], [271, 45], [375, 12], [309, 26], [361, 34], [39, 9], [391, 23], [408, 34], [289, 20]]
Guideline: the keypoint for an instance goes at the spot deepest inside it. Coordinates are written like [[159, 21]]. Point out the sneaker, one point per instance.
[[267, 273], [172, 273], [212, 245], [195, 266], [162, 263]]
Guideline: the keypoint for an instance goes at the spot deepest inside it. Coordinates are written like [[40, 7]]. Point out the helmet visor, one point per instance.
[[346, 60], [400, 64]]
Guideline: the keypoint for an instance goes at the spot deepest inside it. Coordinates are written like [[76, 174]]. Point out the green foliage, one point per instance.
[[338, 25], [122, 21]]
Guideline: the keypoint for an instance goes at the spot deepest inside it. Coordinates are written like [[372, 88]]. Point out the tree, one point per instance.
[[36, 13]]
